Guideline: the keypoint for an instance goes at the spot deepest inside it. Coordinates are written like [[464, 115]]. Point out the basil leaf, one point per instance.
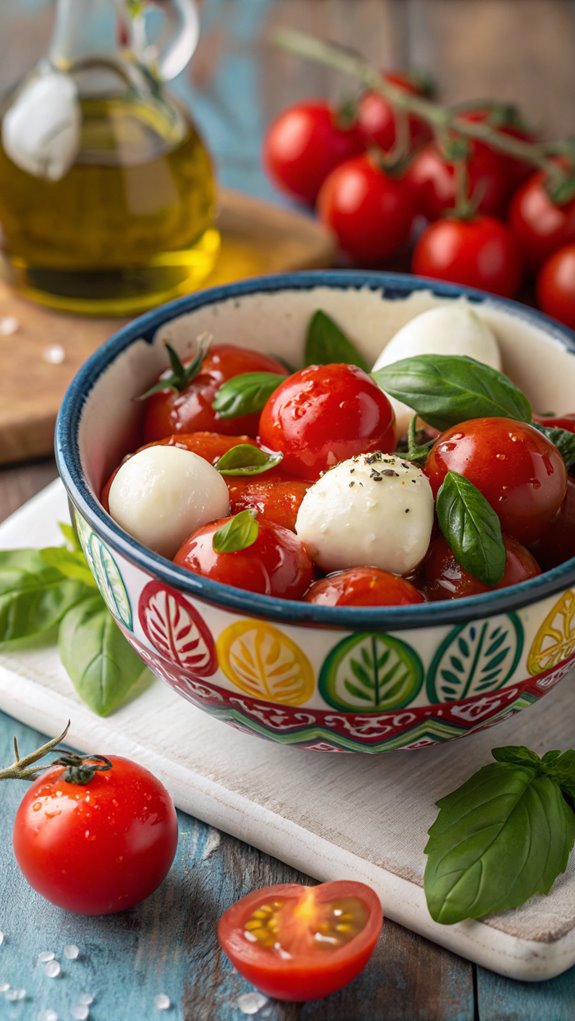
[[70, 563], [563, 439], [503, 836], [240, 532], [181, 375], [471, 528], [70, 535], [517, 755], [560, 766], [245, 394], [34, 602], [100, 662], [448, 389], [244, 459], [28, 561], [326, 343]]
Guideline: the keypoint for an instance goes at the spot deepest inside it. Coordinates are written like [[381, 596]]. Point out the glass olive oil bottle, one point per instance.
[[107, 192]]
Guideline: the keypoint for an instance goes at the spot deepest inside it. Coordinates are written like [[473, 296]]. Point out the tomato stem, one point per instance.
[[441, 118], [19, 769]]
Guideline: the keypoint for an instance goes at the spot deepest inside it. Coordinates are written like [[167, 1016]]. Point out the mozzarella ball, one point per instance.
[[449, 330], [162, 493], [374, 510]]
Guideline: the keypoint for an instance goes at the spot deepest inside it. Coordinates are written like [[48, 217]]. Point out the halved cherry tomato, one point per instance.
[[96, 847], [370, 211], [557, 543], [276, 498], [276, 564], [518, 470], [377, 117], [477, 252], [555, 286], [540, 225], [445, 578], [363, 586], [324, 414], [304, 144], [302, 942], [191, 410]]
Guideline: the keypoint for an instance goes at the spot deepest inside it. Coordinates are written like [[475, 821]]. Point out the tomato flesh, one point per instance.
[[301, 943], [96, 848]]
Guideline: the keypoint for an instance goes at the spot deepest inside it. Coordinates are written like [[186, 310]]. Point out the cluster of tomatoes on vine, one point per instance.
[[458, 207]]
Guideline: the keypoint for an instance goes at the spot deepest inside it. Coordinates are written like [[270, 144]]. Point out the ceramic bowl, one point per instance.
[[280, 669]]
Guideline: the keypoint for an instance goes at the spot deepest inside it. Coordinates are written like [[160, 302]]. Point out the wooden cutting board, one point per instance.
[[38, 359]]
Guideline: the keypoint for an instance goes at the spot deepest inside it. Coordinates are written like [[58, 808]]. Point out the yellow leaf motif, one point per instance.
[[264, 663], [555, 639]]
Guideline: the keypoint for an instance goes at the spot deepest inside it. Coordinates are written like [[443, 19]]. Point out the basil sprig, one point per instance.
[[238, 533], [180, 374], [563, 439], [326, 343], [448, 389], [245, 459], [245, 394], [50, 593], [471, 527], [503, 836]]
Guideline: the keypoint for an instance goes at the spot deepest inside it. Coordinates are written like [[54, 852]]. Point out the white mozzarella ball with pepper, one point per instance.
[[372, 510]]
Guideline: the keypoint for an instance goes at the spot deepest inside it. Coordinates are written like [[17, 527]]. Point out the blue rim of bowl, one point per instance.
[[393, 286]]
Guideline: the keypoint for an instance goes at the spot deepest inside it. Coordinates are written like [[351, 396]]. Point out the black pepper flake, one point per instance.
[[352, 483], [390, 473], [375, 475], [406, 464], [406, 510]]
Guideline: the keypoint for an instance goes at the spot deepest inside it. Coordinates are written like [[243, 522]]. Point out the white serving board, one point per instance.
[[332, 816]]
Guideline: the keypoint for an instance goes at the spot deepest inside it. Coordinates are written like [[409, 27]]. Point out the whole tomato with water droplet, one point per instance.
[[302, 942], [99, 846]]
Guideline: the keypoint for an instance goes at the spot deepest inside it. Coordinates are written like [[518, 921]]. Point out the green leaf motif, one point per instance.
[[326, 343], [371, 673], [110, 581], [448, 389], [472, 528], [100, 662], [245, 459], [499, 839], [245, 394], [475, 659]]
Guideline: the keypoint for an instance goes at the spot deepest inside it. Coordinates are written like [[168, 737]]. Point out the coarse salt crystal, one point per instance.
[[46, 955], [71, 952], [48, 1015], [86, 998], [52, 969], [162, 1002], [251, 1003], [8, 326], [80, 1011], [4, 987], [54, 354]]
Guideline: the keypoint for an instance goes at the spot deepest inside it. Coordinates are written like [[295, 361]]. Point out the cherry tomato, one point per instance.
[[98, 847], [324, 414], [556, 286], [276, 564], [506, 120], [540, 226], [304, 144], [432, 180], [445, 578], [557, 543], [210, 446], [480, 252], [275, 499], [191, 410], [363, 586], [370, 212], [518, 470], [377, 118], [302, 942], [557, 421]]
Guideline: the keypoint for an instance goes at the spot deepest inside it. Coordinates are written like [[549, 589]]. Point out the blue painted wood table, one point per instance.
[[162, 958]]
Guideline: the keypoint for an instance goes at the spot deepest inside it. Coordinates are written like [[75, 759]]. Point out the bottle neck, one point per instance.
[[89, 28]]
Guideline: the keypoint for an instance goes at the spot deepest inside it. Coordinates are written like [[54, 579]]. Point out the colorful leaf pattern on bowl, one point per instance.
[[475, 658], [264, 662], [371, 673], [555, 639], [176, 630]]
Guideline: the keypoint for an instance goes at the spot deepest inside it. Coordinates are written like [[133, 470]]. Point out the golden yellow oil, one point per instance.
[[129, 226]]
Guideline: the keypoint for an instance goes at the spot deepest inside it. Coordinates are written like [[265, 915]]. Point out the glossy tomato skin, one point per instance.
[[518, 470], [555, 286], [276, 564], [445, 578], [363, 586], [479, 252], [557, 543], [304, 144], [310, 971], [96, 848], [324, 414], [370, 212], [276, 499], [191, 410], [377, 120], [506, 121], [540, 226], [566, 422], [433, 181]]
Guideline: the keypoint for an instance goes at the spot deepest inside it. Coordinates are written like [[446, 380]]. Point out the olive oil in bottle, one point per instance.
[[107, 193]]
